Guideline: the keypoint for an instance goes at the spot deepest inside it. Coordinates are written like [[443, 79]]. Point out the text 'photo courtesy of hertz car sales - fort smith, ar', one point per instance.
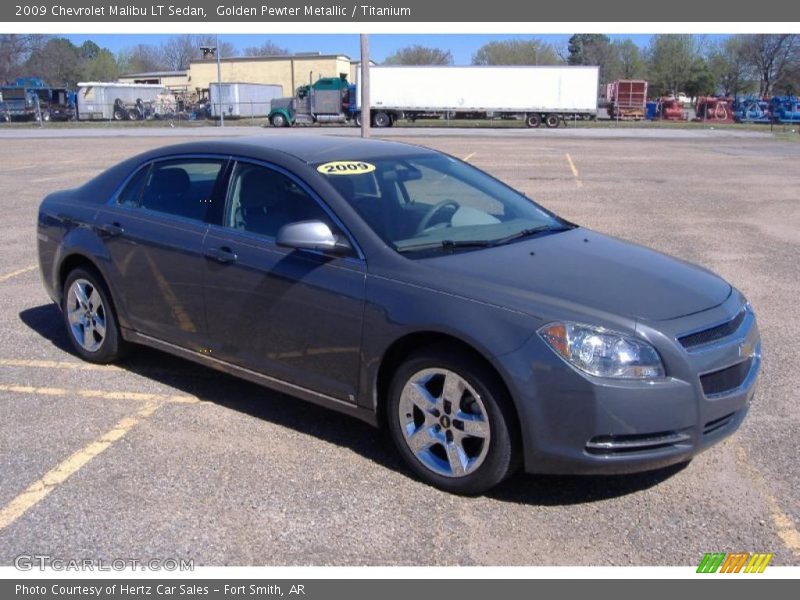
[[404, 287]]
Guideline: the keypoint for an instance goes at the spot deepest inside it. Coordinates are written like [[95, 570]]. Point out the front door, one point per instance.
[[294, 315]]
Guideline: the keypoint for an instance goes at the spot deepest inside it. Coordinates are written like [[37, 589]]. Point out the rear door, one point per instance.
[[294, 315], [153, 231]]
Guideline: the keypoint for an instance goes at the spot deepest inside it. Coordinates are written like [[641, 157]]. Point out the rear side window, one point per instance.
[[182, 187], [130, 194]]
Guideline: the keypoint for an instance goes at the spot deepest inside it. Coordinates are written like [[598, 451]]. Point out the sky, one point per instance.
[[462, 46]]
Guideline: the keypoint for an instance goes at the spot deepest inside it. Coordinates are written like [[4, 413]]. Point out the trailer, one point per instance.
[[241, 99], [117, 101], [536, 94], [626, 99], [18, 104]]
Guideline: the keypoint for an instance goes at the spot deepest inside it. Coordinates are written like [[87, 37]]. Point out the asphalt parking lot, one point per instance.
[[159, 458]]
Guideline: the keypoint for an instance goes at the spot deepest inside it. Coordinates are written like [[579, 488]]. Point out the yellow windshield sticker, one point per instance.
[[346, 167]]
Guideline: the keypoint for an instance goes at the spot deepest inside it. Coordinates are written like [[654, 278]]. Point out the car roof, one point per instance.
[[308, 148]]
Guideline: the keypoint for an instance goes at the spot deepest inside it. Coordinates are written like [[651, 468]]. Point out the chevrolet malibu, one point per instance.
[[409, 289]]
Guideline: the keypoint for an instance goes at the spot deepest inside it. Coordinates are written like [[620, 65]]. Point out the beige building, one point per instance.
[[289, 72]]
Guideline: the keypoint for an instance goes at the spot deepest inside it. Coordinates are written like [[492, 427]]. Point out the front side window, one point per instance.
[[262, 200], [424, 202], [182, 187]]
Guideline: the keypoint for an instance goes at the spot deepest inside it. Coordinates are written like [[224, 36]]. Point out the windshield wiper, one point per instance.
[[447, 245], [531, 232]]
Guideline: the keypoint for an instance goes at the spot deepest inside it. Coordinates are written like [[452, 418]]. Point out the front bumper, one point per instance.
[[574, 423]]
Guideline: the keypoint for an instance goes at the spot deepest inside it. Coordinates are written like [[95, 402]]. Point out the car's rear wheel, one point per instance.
[[451, 422], [90, 319]]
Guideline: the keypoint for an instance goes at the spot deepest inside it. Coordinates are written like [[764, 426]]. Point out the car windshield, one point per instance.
[[429, 202]]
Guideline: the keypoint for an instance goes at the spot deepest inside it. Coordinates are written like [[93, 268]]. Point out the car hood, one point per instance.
[[585, 269]]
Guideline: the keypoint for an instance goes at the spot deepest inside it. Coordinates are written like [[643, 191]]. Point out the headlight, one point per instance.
[[603, 353]]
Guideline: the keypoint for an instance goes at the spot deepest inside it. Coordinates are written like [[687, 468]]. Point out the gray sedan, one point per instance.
[[411, 290]]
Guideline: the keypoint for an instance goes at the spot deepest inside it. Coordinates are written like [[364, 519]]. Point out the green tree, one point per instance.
[[101, 67], [630, 62], [671, 58], [419, 55], [140, 59], [58, 62], [701, 80], [728, 64], [594, 49], [517, 52], [14, 51]]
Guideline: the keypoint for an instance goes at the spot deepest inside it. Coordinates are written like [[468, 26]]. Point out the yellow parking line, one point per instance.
[[574, 170], [8, 276], [56, 364], [783, 523], [468, 156], [39, 490], [99, 394]]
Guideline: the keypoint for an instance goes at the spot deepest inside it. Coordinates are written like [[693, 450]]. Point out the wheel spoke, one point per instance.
[[94, 300], [472, 425], [457, 458], [100, 326], [422, 439], [80, 294], [88, 336], [75, 315], [453, 388], [420, 397]]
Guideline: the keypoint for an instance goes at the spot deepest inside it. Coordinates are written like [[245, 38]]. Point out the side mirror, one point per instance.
[[311, 235]]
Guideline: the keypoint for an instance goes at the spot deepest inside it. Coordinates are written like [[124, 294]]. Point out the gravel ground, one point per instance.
[[227, 473]]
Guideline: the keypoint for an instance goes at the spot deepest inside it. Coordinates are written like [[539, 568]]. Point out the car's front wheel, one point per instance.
[[452, 422], [89, 316]]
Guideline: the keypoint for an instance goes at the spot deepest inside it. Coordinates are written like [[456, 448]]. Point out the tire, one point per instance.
[[119, 115], [552, 120], [95, 345], [46, 116], [418, 410], [381, 119], [278, 120], [533, 120], [357, 119]]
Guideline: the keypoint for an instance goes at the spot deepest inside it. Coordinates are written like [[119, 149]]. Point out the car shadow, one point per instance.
[[329, 426]]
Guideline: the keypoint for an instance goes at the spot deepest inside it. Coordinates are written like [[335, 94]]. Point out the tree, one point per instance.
[[14, 51], [701, 80], [140, 59], [268, 48], [101, 67], [419, 55], [58, 62], [630, 63], [595, 50], [671, 58], [771, 56], [727, 63], [517, 52], [178, 51]]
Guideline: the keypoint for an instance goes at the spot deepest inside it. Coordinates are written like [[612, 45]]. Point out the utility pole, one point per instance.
[[219, 87], [365, 116]]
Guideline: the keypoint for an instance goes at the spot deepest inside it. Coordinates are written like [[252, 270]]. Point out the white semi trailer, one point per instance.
[[546, 94], [117, 101], [241, 100]]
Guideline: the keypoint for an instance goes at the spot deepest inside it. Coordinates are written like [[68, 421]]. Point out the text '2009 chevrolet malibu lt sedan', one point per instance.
[[409, 289]]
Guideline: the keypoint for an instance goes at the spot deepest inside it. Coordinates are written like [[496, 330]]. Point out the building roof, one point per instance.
[[155, 74], [274, 57]]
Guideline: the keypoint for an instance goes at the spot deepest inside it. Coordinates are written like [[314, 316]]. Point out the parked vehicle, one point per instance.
[[536, 94], [411, 290], [19, 104], [626, 99], [242, 100], [116, 101]]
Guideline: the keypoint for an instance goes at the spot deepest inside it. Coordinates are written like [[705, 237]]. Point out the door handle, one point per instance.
[[111, 229], [222, 255]]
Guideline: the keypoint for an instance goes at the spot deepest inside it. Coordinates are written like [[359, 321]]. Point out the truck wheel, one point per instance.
[[133, 114], [118, 114], [533, 120], [278, 120], [357, 119], [551, 120], [381, 119]]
